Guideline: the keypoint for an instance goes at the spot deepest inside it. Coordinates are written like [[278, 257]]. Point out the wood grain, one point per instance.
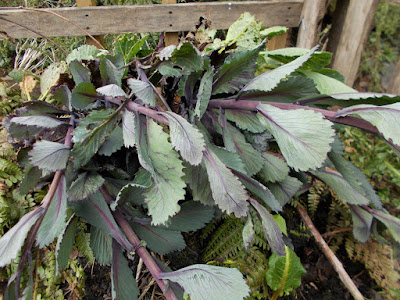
[[146, 18], [353, 36], [313, 12], [170, 38], [99, 39]]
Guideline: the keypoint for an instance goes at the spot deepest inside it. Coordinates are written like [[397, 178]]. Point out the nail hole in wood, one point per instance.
[[170, 12], [86, 15]]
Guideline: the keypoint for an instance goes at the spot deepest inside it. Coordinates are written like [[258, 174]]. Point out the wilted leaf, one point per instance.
[[123, 284], [295, 132], [12, 241], [143, 90], [248, 233], [228, 193], [54, 221], [186, 138], [209, 282], [49, 156], [50, 76]]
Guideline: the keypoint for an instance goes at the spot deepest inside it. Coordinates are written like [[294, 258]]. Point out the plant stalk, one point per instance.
[[144, 255], [337, 265]]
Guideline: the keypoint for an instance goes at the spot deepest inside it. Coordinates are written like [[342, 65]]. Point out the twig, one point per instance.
[[38, 33], [144, 254], [337, 265], [330, 233], [67, 20]]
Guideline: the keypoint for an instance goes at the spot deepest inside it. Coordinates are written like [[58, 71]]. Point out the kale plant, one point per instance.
[[145, 148]]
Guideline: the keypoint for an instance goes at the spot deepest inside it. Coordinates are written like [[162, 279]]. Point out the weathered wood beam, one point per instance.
[[99, 39], [309, 29], [170, 38], [353, 36], [144, 18]]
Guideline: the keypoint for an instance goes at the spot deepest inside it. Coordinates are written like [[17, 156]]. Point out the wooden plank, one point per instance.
[[394, 85], [145, 18], [277, 42], [313, 12], [170, 38], [356, 28], [99, 39]]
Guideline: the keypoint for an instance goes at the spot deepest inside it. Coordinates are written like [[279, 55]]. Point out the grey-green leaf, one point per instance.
[[386, 118], [196, 177], [101, 245], [112, 90], [304, 136], [37, 121], [65, 242], [128, 128], [113, 142], [186, 138], [248, 233], [204, 93], [82, 95], [228, 193], [12, 241], [49, 156], [54, 221], [269, 80], [210, 282], [85, 185], [274, 168], [143, 90], [79, 72], [285, 190], [362, 223]]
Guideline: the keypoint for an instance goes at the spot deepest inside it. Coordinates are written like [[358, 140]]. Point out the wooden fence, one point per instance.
[[348, 36]]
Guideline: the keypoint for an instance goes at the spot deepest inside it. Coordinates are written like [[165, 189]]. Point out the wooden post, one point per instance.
[[394, 85], [312, 14], [353, 36], [170, 38], [99, 38], [277, 42]]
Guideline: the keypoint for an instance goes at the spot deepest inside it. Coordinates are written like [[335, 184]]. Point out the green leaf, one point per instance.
[[248, 233], [271, 229], [245, 120], [159, 240], [110, 74], [131, 193], [182, 61], [274, 168], [49, 156], [128, 46], [85, 185], [302, 135], [63, 95], [50, 77], [95, 211], [101, 245], [228, 193], [91, 134], [229, 159], [54, 221], [284, 272], [362, 223], [285, 190], [128, 128], [112, 90], [12, 241], [209, 282], [328, 85], [386, 118], [270, 32], [317, 61], [65, 242], [123, 284], [341, 187], [186, 138], [85, 52], [197, 179], [392, 223], [192, 216], [79, 72], [204, 92], [269, 80], [167, 171], [113, 142], [143, 91], [237, 70], [31, 177], [83, 95]]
